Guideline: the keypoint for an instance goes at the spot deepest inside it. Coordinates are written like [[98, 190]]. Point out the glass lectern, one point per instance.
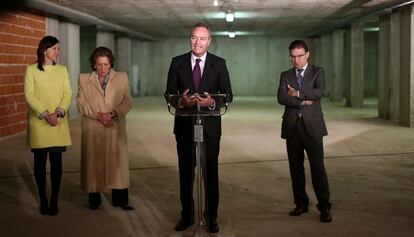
[[199, 113]]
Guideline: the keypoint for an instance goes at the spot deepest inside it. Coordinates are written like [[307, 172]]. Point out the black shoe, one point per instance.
[[94, 206], [183, 225], [44, 208], [53, 207], [326, 216], [94, 200], [53, 210], [213, 227], [123, 207], [127, 208], [299, 210]]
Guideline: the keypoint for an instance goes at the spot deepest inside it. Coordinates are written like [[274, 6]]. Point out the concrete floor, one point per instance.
[[369, 162]]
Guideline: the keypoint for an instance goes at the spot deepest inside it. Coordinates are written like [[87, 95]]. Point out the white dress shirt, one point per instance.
[[201, 63]]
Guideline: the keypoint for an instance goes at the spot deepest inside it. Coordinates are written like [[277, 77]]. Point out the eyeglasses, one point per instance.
[[102, 65], [300, 56]]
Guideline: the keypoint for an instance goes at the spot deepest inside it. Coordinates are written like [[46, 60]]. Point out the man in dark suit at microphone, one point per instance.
[[195, 75], [300, 90]]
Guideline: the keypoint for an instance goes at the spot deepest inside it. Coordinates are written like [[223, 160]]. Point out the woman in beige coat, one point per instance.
[[103, 100], [47, 92]]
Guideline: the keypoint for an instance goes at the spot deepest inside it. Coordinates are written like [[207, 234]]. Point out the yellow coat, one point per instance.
[[47, 90], [104, 153]]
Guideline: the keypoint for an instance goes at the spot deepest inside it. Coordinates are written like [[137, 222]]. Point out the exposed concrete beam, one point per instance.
[[84, 18], [354, 18]]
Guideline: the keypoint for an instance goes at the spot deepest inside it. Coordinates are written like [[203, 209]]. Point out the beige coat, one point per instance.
[[104, 154], [47, 90]]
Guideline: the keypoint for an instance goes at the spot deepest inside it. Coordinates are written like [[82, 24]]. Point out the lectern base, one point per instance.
[[201, 231]]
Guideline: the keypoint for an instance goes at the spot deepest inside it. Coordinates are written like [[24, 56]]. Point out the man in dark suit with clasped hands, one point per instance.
[[195, 75], [300, 90]]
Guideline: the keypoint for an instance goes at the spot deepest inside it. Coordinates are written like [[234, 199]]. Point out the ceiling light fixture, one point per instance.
[[229, 16], [215, 3], [232, 34]]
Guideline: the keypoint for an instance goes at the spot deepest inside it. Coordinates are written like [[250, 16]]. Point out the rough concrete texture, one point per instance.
[[369, 163]]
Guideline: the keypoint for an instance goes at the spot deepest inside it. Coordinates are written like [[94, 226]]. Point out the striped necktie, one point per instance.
[[299, 77]]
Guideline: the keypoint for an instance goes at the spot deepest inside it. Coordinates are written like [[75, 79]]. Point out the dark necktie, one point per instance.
[[299, 80], [197, 73], [299, 77]]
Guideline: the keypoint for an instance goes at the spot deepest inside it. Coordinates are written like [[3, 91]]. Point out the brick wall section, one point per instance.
[[20, 33]]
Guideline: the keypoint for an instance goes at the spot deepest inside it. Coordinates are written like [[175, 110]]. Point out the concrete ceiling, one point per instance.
[[165, 18]]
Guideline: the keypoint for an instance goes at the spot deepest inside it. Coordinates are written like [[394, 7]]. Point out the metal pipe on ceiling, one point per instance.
[[84, 18]]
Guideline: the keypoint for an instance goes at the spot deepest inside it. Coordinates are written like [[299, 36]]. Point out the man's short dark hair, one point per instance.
[[298, 44]]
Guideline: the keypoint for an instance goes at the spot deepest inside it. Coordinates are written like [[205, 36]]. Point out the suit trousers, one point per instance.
[[187, 163], [119, 197], [313, 146]]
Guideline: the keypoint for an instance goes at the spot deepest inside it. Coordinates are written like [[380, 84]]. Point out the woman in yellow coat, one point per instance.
[[103, 100], [47, 92]]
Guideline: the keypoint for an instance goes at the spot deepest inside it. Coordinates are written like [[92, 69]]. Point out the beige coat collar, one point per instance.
[[93, 79]]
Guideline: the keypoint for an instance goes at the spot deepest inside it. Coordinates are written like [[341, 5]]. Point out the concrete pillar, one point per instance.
[[338, 40], [124, 60], [394, 83], [316, 53], [135, 73], [327, 57], [87, 46], [370, 63], [407, 66], [357, 65], [384, 66], [106, 39], [52, 27], [347, 69], [69, 56]]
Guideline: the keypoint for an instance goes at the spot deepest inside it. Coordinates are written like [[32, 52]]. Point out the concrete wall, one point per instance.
[[135, 68], [254, 63], [327, 62], [338, 65], [154, 60], [123, 62], [316, 51], [370, 63], [87, 45]]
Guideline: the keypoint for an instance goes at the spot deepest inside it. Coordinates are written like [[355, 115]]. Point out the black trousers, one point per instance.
[[40, 160], [187, 163], [296, 146]]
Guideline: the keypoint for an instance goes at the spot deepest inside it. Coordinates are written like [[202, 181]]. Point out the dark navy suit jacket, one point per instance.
[[215, 80], [312, 88]]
